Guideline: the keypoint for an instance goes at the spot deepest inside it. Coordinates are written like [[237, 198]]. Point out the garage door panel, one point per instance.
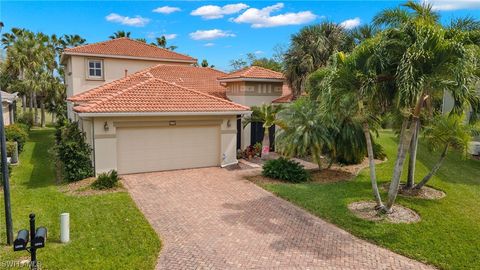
[[167, 148]]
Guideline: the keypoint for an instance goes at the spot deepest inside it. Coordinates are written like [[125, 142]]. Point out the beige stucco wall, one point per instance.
[[105, 142], [114, 68], [253, 93]]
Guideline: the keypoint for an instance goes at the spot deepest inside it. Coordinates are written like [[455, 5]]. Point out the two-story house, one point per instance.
[[145, 108]]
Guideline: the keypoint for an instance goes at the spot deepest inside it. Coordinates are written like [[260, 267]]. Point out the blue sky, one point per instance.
[[217, 31]]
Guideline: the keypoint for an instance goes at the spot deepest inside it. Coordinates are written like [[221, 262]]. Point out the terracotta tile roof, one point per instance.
[[254, 72], [126, 47], [287, 95], [203, 79], [144, 92]]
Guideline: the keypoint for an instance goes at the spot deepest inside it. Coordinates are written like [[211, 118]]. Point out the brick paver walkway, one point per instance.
[[213, 219]]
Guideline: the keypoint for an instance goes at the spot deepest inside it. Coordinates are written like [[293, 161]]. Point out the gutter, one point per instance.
[[119, 114], [240, 79]]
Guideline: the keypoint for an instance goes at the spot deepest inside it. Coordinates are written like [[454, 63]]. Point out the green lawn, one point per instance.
[[448, 235], [107, 231]]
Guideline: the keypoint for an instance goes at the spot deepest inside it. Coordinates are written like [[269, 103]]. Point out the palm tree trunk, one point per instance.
[[434, 169], [42, 112], [35, 106], [405, 138], [371, 163], [24, 103], [266, 145], [412, 159], [31, 102]]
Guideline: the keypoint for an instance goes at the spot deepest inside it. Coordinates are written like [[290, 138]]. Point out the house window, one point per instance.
[[95, 69]]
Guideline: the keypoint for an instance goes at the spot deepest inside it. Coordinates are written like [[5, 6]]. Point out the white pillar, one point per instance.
[[65, 228]]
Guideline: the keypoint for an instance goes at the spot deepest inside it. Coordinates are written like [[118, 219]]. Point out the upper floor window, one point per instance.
[[95, 69]]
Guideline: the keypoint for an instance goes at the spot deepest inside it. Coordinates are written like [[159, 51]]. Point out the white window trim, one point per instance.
[[87, 69]]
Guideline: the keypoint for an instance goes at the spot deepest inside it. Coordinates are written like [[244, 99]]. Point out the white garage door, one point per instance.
[[151, 149]]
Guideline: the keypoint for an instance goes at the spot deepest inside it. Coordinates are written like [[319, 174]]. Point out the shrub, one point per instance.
[[74, 153], [379, 152], [11, 148], [26, 119], [17, 133], [106, 180], [285, 169]]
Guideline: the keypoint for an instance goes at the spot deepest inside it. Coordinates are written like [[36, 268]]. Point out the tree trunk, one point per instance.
[[412, 159], [24, 103], [265, 145], [53, 118], [35, 106], [31, 102], [434, 169], [42, 112], [405, 138], [371, 163]]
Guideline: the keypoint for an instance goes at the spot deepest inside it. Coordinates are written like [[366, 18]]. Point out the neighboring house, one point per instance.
[[8, 107], [254, 86], [163, 113]]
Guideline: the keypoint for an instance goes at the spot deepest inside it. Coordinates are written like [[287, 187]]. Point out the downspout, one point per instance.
[[93, 146]]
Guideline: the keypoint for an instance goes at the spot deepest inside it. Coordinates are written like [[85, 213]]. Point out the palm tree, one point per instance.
[[267, 115], [161, 42], [446, 132], [120, 34], [311, 49], [303, 131], [204, 63], [72, 41], [431, 63]]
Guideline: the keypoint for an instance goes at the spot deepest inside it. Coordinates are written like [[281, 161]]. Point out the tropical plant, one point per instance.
[[119, 34], [106, 180], [161, 42], [285, 169], [303, 131], [311, 49], [446, 133], [267, 115]]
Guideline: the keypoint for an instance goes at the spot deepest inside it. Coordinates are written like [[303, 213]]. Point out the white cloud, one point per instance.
[[259, 18], [350, 23], [216, 12], [209, 44], [210, 34], [166, 10], [137, 21], [170, 36], [258, 52], [454, 4]]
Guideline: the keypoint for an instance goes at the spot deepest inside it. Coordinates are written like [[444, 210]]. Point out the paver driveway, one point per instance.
[[212, 218]]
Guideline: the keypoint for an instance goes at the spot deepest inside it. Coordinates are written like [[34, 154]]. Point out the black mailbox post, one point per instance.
[[38, 237]]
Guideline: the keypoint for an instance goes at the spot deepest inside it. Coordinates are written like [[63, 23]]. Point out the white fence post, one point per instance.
[[64, 227]]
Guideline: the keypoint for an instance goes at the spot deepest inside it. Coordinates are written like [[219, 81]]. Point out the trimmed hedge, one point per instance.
[[285, 169], [74, 153]]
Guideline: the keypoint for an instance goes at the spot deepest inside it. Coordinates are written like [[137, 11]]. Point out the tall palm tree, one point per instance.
[[311, 49], [432, 62], [446, 133], [119, 34], [267, 115]]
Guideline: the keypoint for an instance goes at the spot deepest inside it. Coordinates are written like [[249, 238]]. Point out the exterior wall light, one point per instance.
[[105, 126], [228, 123], [172, 123]]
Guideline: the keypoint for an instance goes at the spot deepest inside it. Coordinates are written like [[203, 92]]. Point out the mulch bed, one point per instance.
[[400, 214], [425, 192], [83, 188]]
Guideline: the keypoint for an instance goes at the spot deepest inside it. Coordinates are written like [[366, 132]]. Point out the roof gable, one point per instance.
[[253, 72], [129, 48]]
